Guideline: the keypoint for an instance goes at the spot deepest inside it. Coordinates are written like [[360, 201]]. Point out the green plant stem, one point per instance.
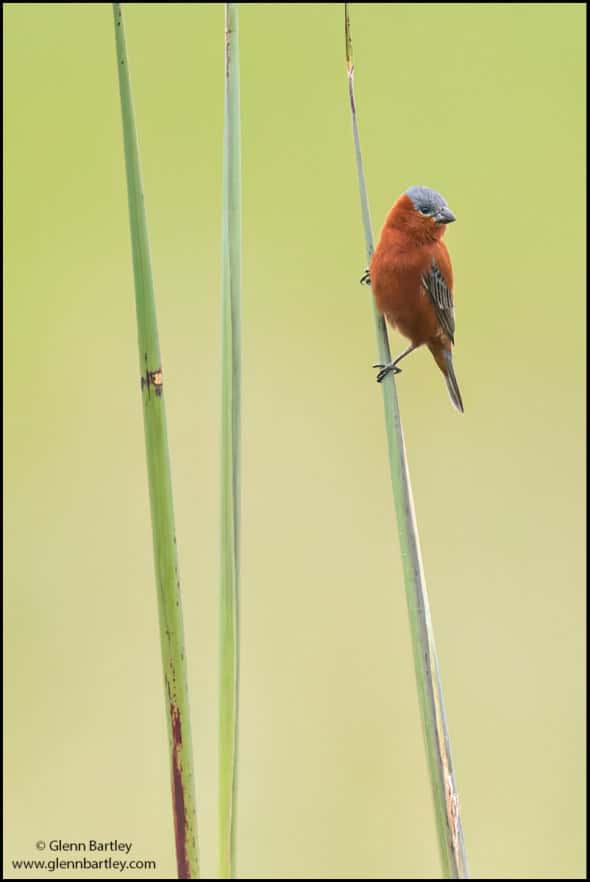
[[160, 489], [230, 451], [446, 802]]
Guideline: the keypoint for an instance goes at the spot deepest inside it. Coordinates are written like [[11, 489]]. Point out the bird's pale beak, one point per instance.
[[445, 216]]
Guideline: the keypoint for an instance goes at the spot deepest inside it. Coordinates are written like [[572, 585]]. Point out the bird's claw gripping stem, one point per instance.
[[390, 368], [365, 278]]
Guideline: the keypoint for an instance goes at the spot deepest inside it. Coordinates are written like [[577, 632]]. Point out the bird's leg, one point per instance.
[[392, 365], [366, 277]]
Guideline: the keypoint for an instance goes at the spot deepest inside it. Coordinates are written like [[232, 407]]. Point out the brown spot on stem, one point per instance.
[[178, 801], [155, 379], [452, 811], [228, 31]]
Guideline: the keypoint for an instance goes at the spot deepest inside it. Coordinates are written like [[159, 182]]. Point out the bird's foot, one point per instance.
[[390, 368], [365, 278]]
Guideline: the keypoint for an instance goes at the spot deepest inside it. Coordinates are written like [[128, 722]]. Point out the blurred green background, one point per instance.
[[484, 102]]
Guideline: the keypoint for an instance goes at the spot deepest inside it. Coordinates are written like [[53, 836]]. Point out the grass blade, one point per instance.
[[230, 450], [446, 802], [160, 487]]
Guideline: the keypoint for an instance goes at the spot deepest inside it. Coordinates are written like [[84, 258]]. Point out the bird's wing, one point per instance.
[[442, 299]]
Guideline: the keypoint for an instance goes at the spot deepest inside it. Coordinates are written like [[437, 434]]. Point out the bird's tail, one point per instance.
[[444, 360], [453, 386]]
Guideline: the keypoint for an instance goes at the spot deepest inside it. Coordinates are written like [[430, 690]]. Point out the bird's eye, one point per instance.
[[425, 211]]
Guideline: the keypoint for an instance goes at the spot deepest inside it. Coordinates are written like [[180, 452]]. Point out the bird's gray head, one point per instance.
[[431, 204]]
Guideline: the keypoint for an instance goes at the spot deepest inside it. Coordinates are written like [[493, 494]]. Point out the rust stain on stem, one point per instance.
[[180, 819]]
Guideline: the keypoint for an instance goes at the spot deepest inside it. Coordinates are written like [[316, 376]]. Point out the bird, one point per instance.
[[412, 280]]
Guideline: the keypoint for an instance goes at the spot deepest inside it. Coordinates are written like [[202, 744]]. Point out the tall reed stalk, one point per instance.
[[160, 489], [230, 450], [434, 724]]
